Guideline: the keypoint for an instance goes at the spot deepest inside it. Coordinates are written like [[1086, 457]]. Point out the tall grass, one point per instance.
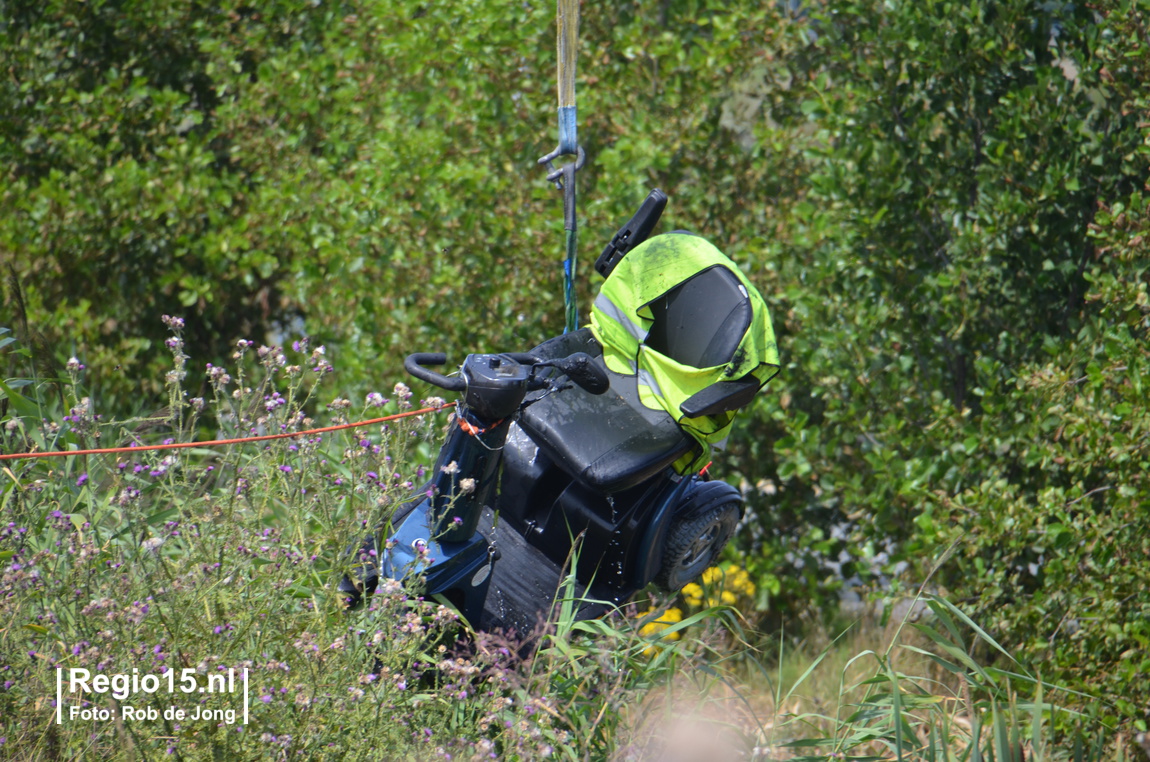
[[914, 691], [216, 561]]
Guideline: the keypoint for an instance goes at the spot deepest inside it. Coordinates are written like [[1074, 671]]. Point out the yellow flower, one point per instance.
[[719, 587], [668, 618], [655, 629], [740, 582]]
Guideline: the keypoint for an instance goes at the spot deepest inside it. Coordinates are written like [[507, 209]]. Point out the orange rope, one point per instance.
[[214, 442]]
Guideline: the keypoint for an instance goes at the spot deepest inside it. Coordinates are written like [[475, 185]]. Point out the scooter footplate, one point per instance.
[[527, 588]]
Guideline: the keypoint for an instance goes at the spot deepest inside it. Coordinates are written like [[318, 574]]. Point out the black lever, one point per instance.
[[583, 372], [637, 230]]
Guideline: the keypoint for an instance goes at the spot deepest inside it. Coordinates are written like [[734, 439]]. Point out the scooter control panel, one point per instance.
[[501, 367], [496, 385]]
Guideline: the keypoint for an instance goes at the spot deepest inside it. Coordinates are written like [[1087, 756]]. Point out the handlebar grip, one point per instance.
[[414, 364]]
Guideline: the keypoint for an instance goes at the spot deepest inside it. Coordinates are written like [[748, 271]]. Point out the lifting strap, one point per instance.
[[567, 42]]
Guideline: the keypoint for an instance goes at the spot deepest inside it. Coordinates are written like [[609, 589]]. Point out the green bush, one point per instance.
[[965, 320], [941, 201], [364, 174]]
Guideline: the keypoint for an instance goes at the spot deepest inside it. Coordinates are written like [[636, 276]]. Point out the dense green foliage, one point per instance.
[[967, 295], [942, 202]]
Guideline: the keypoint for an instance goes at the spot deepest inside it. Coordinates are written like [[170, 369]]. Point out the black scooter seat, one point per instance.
[[611, 441]]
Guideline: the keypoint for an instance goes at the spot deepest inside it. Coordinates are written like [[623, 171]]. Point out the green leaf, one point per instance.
[[161, 516]]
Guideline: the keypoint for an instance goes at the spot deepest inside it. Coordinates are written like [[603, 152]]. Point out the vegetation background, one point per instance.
[[943, 203]]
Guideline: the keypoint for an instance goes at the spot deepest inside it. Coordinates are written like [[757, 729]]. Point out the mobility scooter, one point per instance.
[[586, 454]]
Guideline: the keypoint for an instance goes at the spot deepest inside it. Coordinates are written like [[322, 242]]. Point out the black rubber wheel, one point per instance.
[[693, 545]]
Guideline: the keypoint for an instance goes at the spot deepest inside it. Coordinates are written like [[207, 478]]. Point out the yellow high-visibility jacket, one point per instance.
[[621, 319]]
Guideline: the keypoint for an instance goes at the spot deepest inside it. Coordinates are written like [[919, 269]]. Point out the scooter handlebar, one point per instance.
[[578, 367], [415, 365]]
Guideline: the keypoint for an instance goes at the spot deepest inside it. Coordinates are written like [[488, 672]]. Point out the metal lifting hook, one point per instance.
[[564, 179]]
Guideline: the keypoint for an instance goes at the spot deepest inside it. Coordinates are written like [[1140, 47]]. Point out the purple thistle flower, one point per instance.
[[82, 480]]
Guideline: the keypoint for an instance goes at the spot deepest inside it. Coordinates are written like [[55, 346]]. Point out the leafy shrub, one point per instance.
[[963, 324], [942, 202]]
